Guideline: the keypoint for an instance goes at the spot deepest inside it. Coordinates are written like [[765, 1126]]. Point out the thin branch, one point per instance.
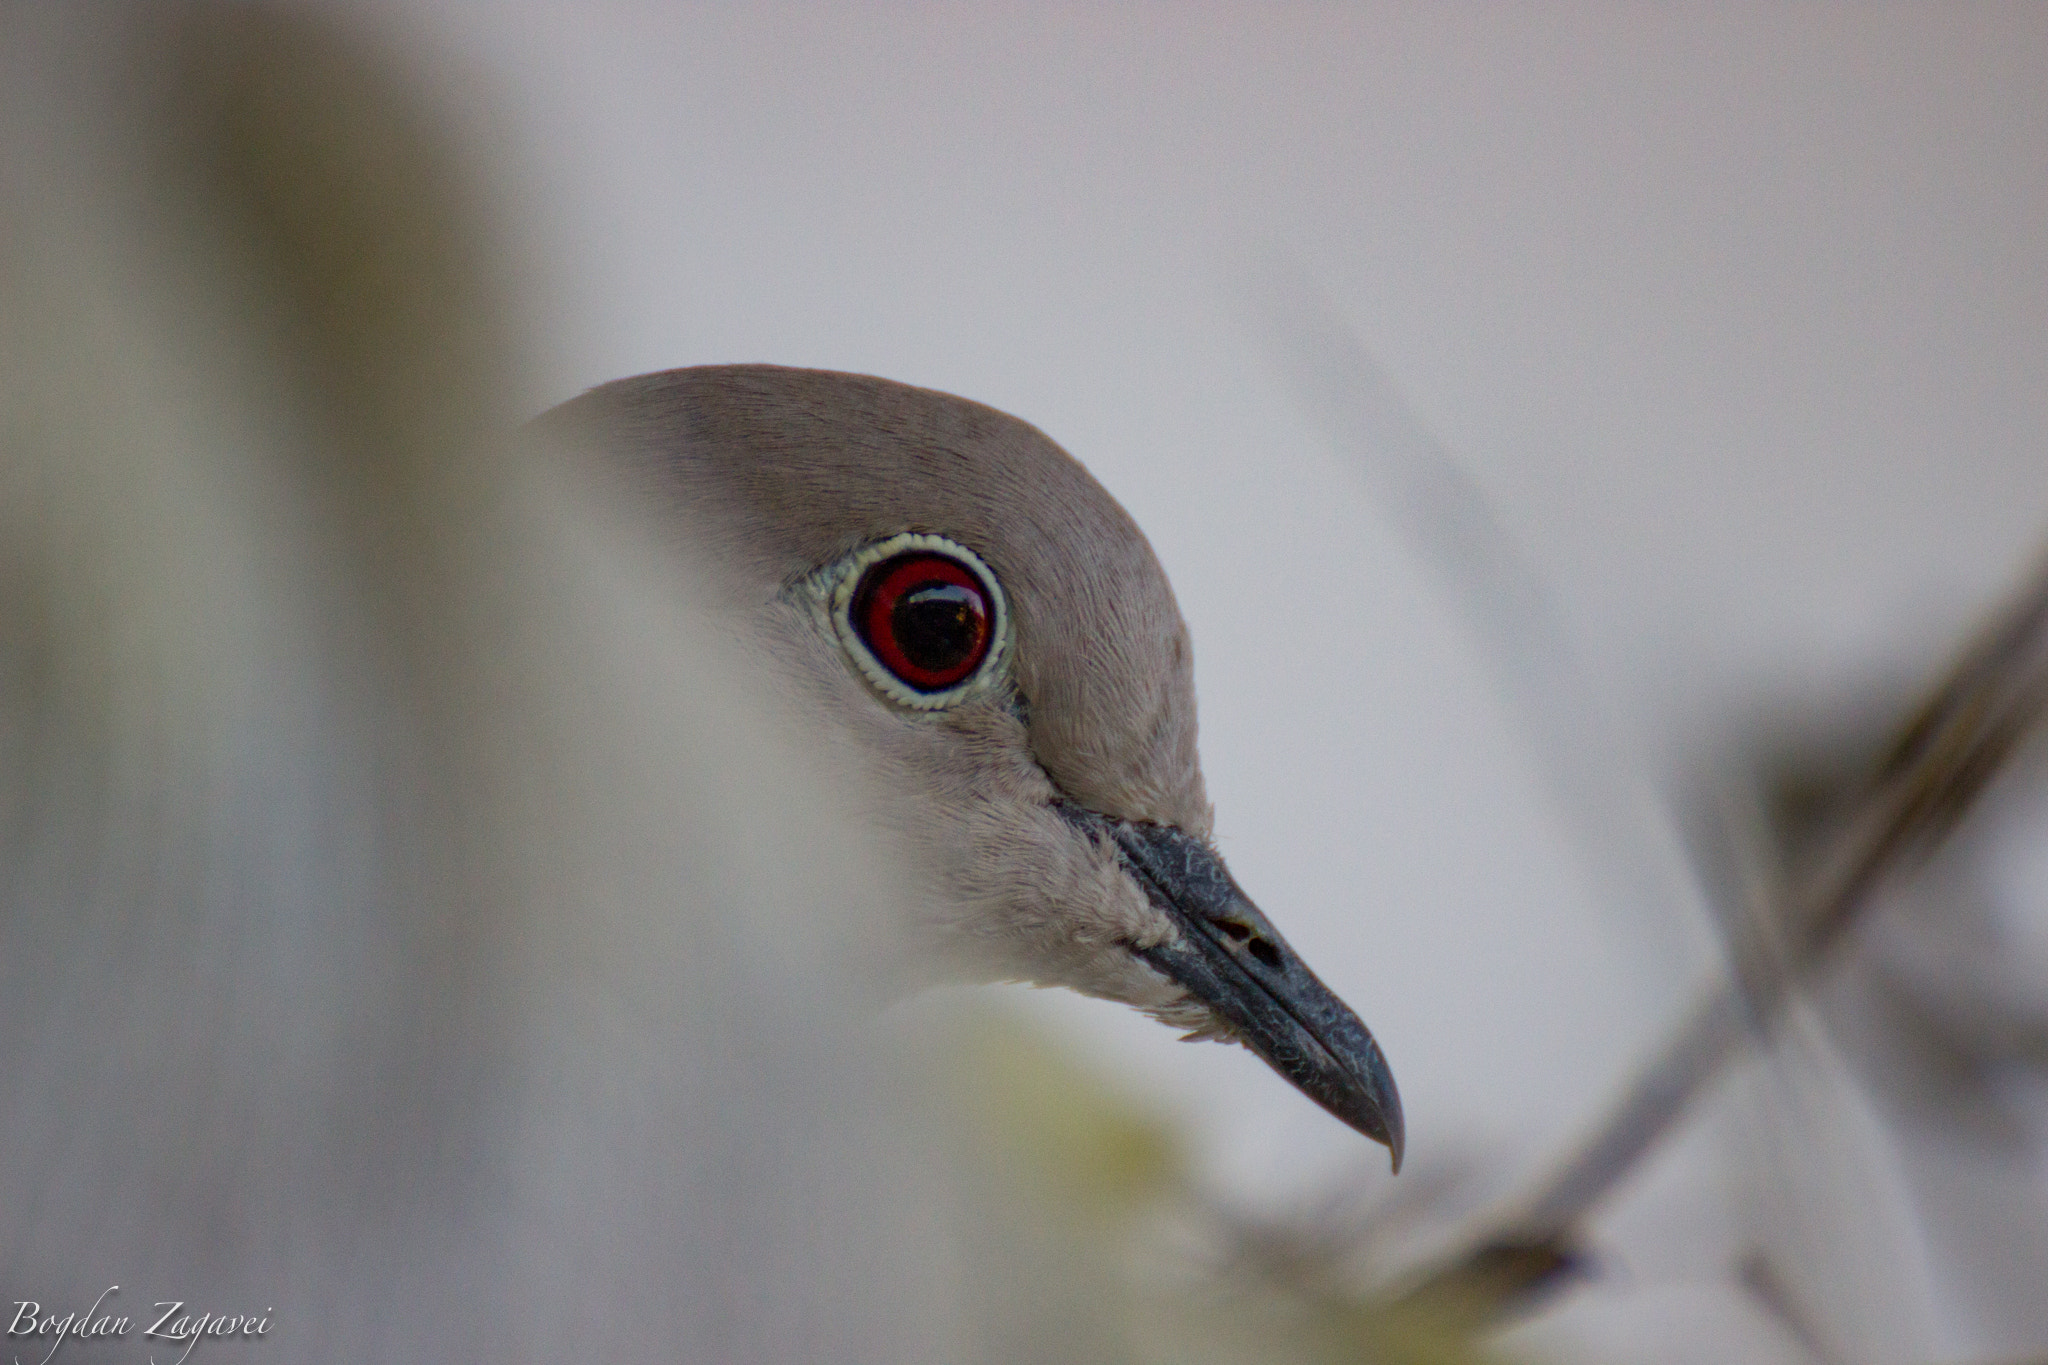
[[1760, 1279], [1941, 758], [1584, 748]]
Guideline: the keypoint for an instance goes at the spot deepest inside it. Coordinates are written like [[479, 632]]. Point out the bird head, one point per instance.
[[978, 620]]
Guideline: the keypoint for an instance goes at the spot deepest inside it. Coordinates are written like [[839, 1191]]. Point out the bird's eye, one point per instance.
[[923, 617], [926, 617]]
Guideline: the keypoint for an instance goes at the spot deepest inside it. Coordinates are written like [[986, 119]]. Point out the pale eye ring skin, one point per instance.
[[923, 618]]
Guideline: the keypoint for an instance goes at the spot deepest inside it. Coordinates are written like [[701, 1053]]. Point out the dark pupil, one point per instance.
[[937, 625]]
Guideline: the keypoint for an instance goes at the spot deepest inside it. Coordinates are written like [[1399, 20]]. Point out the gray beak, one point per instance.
[[1229, 957]]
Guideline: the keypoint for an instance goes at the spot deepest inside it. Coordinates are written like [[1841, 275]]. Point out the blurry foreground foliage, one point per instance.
[[1125, 1259]]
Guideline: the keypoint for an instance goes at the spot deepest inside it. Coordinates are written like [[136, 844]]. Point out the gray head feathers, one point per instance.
[[779, 474], [780, 471]]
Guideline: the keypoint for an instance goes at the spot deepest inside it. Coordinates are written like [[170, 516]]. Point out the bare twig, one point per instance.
[[1925, 779], [1582, 743], [1758, 1275], [1939, 761]]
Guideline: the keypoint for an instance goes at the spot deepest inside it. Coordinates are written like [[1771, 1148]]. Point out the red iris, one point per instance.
[[927, 618]]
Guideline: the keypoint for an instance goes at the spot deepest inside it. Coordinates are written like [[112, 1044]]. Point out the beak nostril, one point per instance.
[[1225, 955], [1257, 945]]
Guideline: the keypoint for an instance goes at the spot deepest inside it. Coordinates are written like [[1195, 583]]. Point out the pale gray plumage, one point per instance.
[[781, 471], [1052, 809]]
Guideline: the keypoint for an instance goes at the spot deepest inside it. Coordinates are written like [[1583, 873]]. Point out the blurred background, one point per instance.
[[1726, 322]]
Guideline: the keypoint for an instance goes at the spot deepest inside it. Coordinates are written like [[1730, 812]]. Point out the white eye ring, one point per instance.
[[841, 583]]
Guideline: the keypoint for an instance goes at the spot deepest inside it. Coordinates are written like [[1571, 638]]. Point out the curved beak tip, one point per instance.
[[1230, 958], [1370, 1103], [1395, 1136]]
